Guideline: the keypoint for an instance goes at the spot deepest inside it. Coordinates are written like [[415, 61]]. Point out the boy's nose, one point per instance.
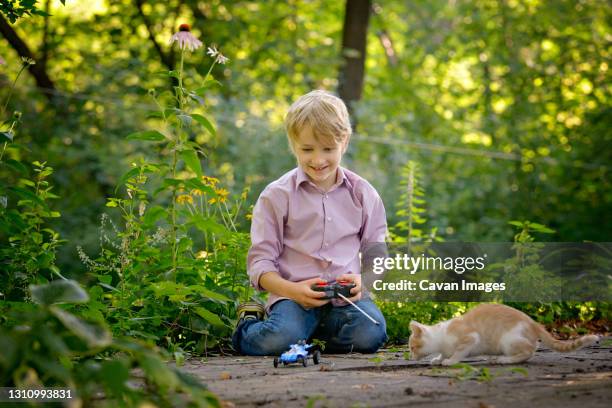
[[318, 164], [317, 160]]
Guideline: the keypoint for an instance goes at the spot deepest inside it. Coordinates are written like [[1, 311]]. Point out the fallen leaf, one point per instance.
[[363, 386], [225, 375]]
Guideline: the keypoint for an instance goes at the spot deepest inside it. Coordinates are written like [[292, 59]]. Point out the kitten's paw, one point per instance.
[[448, 362], [436, 360]]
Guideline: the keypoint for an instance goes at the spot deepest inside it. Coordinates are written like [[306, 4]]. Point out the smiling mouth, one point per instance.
[[318, 168]]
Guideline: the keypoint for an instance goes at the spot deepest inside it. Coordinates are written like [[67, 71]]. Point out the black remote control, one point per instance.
[[333, 288]]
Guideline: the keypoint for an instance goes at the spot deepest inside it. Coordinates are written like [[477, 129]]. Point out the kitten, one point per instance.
[[487, 329]]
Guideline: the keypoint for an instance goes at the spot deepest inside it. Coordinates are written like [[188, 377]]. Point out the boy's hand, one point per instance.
[[303, 294], [356, 279]]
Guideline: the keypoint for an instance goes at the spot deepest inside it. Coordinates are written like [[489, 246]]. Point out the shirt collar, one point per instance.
[[340, 178]]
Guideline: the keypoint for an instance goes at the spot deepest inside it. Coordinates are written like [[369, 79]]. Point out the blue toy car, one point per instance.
[[299, 353]]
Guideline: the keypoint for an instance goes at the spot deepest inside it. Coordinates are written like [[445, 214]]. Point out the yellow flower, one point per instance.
[[222, 194], [249, 216], [212, 201], [243, 196], [201, 255], [210, 181], [184, 198], [197, 192]]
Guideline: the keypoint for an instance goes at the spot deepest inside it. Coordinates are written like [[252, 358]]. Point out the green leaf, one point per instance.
[[94, 335], [154, 214], [115, 374], [17, 219], [126, 176], [147, 135], [541, 228], [172, 182], [196, 97], [52, 368], [184, 244], [27, 195], [52, 341], [186, 120], [204, 122], [10, 351], [59, 291], [16, 165], [107, 279], [158, 372], [179, 357], [192, 161], [168, 288], [8, 135], [209, 316], [27, 182], [208, 225], [196, 183], [520, 370], [207, 293]]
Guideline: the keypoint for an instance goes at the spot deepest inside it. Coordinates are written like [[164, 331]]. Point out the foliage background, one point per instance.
[[504, 104], [516, 93]]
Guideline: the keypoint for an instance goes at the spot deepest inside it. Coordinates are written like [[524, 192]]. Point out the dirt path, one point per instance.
[[579, 379]]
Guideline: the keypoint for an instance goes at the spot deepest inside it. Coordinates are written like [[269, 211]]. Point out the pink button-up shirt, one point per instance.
[[302, 232]]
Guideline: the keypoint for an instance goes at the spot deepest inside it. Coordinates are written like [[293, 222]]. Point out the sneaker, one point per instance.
[[250, 311]]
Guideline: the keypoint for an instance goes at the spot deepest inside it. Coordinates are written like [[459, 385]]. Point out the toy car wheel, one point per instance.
[[275, 362], [285, 363], [303, 361], [316, 357]]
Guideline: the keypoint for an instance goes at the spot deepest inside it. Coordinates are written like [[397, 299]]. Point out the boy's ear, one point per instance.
[[345, 145]]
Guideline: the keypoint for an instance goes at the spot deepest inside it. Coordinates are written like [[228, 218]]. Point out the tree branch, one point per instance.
[[43, 81], [167, 59]]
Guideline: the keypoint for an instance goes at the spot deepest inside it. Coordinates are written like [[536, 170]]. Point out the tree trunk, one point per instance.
[[44, 83], [166, 59], [354, 37]]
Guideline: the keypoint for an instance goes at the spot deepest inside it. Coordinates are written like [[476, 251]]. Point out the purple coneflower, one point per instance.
[[185, 39]]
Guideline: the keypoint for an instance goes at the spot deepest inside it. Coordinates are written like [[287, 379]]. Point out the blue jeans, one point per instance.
[[344, 329]]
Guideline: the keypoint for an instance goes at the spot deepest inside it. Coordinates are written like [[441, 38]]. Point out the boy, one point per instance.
[[308, 227]]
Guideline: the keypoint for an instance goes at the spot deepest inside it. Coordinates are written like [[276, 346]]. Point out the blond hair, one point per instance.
[[326, 115]]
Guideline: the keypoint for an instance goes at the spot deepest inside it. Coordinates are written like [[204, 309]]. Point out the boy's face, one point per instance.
[[318, 159]]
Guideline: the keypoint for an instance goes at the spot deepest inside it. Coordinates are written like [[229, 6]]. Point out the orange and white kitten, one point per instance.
[[487, 329]]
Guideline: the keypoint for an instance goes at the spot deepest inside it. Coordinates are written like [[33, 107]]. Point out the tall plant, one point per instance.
[[27, 243], [172, 272], [411, 209]]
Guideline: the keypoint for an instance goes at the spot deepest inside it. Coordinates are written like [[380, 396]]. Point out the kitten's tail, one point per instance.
[[564, 345]]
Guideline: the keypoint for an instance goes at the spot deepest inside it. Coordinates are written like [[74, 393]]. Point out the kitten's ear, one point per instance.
[[416, 327]]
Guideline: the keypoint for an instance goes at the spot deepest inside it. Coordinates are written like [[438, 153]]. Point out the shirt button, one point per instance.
[[324, 195], [329, 219], [326, 244]]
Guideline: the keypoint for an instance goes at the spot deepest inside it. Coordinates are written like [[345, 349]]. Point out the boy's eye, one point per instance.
[[306, 149], [329, 149]]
